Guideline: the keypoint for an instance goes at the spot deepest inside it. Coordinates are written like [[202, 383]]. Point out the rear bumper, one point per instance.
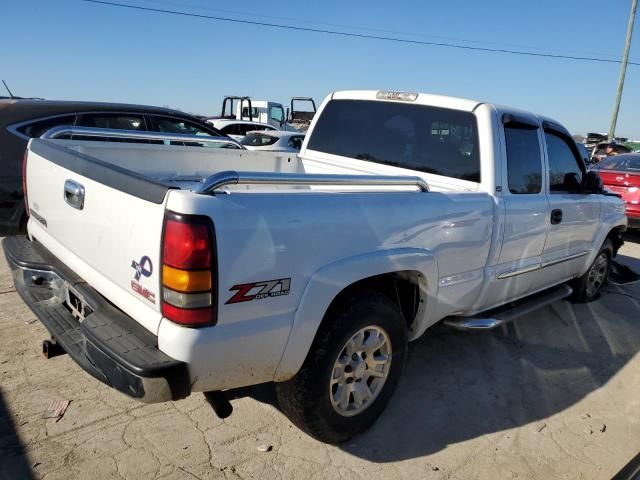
[[107, 344]]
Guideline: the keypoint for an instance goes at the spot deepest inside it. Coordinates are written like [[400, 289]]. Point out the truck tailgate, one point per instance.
[[109, 233]]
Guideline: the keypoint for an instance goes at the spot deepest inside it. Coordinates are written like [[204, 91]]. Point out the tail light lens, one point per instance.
[[24, 182], [188, 270]]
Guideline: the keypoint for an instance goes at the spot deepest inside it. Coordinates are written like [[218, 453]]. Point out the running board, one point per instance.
[[507, 313]]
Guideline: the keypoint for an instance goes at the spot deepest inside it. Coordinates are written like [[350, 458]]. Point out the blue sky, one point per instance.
[[68, 49]]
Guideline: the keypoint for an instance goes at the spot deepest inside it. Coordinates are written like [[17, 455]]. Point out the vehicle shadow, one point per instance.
[[458, 386], [632, 236], [14, 463]]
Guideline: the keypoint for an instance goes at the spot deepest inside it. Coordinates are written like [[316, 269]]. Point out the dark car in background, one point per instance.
[[22, 119], [621, 175]]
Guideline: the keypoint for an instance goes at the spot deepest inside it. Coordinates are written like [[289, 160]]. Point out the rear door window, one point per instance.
[[117, 121], [418, 137], [524, 162]]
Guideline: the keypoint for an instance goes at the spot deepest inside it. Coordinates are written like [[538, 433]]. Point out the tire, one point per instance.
[[587, 287], [313, 402]]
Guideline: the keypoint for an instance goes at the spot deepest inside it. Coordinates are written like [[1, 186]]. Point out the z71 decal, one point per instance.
[[246, 292]]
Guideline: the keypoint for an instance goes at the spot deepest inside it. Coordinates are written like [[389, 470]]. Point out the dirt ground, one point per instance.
[[554, 395]]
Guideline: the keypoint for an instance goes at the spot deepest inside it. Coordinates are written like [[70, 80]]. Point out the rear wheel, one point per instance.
[[351, 371], [587, 287]]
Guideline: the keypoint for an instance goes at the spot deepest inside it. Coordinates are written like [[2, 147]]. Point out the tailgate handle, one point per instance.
[[74, 194]]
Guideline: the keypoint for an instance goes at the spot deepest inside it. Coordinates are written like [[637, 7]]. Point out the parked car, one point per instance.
[[312, 271], [23, 119], [237, 129], [583, 153], [621, 174], [274, 141], [600, 150]]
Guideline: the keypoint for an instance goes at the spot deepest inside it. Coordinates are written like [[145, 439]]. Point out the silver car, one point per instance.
[[273, 141]]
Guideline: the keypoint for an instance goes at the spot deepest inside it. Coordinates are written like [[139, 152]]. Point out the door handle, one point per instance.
[[74, 194], [556, 216]]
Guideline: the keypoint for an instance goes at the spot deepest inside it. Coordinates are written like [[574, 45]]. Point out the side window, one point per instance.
[[524, 162], [177, 125], [259, 128], [249, 127], [276, 113], [118, 121], [230, 130], [565, 174], [242, 129], [36, 129]]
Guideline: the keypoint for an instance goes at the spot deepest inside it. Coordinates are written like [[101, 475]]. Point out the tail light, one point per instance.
[[188, 270], [24, 181]]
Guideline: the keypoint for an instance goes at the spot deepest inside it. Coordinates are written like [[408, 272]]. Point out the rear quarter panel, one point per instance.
[[291, 236]]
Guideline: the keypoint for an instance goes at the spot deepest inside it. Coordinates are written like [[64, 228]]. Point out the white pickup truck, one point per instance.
[[167, 270]]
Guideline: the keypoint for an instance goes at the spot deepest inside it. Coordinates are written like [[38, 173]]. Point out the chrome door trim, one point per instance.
[[519, 271], [549, 263]]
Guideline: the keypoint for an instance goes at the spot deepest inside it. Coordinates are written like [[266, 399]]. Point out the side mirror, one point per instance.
[[592, 183]]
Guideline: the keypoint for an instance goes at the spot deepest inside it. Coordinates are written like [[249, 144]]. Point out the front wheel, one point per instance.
[[351, 371], [587, 287]]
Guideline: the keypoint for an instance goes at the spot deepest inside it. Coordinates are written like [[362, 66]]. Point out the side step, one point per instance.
[[507, 313]]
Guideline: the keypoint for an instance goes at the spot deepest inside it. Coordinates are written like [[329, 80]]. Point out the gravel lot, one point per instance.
[[554, 395]]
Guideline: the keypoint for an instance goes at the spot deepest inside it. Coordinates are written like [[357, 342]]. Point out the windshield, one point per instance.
[[427, 139], [258, 140]]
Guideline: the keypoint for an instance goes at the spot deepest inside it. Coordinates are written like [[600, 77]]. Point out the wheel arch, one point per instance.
[[395, 272]]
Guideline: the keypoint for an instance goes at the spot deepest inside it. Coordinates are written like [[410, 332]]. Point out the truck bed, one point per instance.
[[186, 167]]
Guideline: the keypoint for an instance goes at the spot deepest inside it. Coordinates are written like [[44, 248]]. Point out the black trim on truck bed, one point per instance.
[[108, 344], [106, 173]]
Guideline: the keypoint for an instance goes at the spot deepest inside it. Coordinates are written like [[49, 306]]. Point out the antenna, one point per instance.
[[5, 86]]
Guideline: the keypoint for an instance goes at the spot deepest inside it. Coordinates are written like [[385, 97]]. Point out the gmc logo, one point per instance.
[[246, 292]]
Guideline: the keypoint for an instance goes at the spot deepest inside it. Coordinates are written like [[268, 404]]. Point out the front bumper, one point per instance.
[[107, 344]]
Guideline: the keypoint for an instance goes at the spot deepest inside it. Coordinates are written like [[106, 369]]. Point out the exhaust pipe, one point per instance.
[[219, 403], [50, 349]]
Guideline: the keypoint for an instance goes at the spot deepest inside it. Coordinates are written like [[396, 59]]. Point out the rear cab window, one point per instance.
[[418, 137]]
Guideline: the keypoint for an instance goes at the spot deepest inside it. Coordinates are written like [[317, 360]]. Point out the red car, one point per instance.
[[621, 174]]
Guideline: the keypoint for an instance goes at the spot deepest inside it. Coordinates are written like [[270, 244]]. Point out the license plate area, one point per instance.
[[75, 302]]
